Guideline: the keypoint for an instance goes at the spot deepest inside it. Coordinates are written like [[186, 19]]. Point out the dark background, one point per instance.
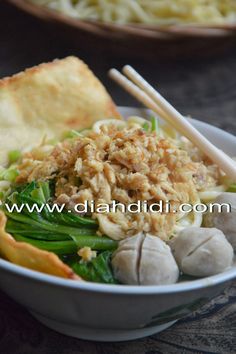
[[200, 83]]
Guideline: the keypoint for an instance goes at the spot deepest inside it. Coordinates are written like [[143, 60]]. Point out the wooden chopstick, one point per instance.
[[136, 92], [152, 99]]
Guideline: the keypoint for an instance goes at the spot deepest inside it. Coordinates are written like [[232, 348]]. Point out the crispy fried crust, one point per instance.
[[48, 99], [28, 256]]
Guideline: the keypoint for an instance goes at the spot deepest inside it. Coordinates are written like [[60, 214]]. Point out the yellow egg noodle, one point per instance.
[[150, 12]]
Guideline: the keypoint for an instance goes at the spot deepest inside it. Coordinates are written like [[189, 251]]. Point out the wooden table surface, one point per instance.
[[203, 86]]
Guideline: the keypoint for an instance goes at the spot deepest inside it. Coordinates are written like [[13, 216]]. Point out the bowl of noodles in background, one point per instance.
[[155, 19], [128, 25]]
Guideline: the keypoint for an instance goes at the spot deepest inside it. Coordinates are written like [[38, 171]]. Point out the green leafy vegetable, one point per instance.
[[9, 174], [62, 233], [71, 134], [232, 188], [146, 126], [41, 193], [69, 247], [154, 122], [14, 156], [97, 270]]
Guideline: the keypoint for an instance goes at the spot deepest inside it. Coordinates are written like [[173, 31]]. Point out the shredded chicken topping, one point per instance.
[[127, 166]]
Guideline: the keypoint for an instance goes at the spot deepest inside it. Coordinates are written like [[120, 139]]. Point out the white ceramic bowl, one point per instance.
[[113, 312]]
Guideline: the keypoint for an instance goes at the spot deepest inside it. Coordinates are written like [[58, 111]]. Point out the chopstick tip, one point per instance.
[[127, 68], [112, 72]]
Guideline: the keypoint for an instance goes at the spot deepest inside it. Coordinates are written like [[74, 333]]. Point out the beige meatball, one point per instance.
[[224, 221], [202, 252], [125, 259], [144, 260], [157, 264]]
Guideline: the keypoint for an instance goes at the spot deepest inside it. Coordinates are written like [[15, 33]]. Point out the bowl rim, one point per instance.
[[185, 286], [116, 289]]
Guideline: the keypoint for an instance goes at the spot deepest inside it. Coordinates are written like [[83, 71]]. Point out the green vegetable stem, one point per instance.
[[62, 233]]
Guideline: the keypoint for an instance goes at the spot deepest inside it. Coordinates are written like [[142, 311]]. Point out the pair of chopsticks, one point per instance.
[[138, 87]]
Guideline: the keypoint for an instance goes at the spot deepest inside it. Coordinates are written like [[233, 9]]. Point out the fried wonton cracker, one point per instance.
[[47, 100], [28, 256]]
